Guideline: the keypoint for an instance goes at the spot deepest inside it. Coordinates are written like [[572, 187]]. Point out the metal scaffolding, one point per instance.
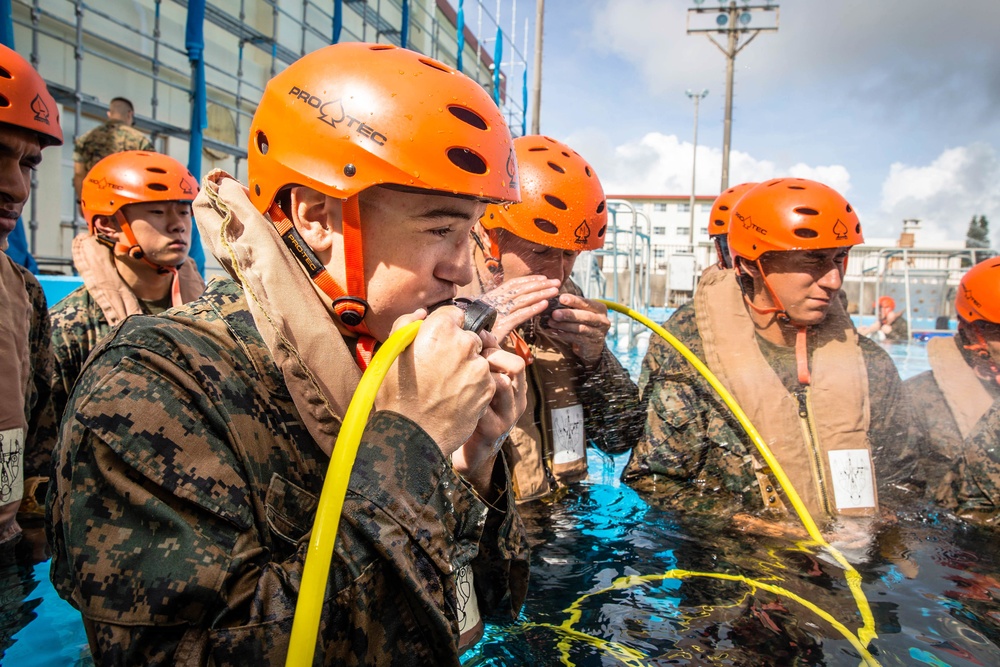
[[92, 50]]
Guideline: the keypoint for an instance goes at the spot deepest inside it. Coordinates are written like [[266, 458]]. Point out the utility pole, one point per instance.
[[536, 85], [734, 22], [697, 97]]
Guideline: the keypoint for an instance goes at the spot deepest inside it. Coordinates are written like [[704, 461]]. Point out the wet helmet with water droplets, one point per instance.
[[562, 201], [25, 100], [791, 214], [978, 297]]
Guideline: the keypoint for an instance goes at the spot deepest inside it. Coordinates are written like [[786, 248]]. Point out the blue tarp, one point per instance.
[[497, 57], [6, 24], [460, 31], [194, 41], [404, 30], [338, 20]]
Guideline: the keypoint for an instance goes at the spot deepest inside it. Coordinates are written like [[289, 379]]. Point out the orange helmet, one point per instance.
[[350, 116], [563, 203], [886, 302], [353, 115], [719, 218], [791, 214], [979, 293], [133, 177], [25, 100]]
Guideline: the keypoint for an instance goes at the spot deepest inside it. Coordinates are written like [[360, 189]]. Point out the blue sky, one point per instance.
[[896, 103]]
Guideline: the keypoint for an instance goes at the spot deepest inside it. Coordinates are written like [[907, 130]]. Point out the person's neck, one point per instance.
[[770, 327], [146, 282]]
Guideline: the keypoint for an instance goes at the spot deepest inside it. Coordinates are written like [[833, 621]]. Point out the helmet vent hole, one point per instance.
[[433, 64], [156, 170], [556, 167], [857, 228], [795, 187], [587, 170], [600, 207], [466, 160], [4, 102], [723, 207], [805, 210], [849, 209], [806, 233], [565, 154], [261, 142], [546, 226], [600, 234], [550, 139], [719, 223], [536, 149], [555, 201], [381, 47], [158, 187], [4, 74], [468, 116]]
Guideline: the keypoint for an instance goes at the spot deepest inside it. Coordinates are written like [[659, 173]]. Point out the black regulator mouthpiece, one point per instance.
[[479, 315]]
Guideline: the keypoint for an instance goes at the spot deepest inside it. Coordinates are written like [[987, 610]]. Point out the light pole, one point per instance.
[[697, 97], [734, 22]]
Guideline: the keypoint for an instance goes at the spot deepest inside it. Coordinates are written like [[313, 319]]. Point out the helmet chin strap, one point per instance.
[[982, 351], [491, 257], [350, 305], [781, 315], [134, 251]]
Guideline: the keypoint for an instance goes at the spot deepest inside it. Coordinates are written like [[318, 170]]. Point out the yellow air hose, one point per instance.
[[316, 571], [867, 631]]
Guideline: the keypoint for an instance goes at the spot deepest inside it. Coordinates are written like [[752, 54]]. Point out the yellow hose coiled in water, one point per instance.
[[316, 572], [867, 631]]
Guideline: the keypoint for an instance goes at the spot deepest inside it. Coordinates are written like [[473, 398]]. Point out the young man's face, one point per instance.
[[805, 281], [416, 251], [162, 229], [524, 258], [20, 154]]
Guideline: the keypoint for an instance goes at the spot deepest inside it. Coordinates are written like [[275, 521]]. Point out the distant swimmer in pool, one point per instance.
[[828, 402], [957, 402], [578, 392], [889, 325]]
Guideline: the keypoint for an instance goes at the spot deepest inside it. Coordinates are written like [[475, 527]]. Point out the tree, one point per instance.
[[978, 236]]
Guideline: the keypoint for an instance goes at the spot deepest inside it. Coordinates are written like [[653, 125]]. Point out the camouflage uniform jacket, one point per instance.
[[696, 456], [78, 325], [964, 471], [187, 489], [114, 136]]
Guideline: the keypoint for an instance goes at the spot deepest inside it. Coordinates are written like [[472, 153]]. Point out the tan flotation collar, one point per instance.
[[838, 399], [967, 398]]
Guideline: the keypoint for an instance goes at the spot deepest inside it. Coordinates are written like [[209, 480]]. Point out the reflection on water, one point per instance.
[[931, 587]]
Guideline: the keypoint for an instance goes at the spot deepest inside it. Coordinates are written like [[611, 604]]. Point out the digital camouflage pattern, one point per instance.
[[78, 325], [187, 488], [695, 455], [43, 425], [114, 136], [963, 473]]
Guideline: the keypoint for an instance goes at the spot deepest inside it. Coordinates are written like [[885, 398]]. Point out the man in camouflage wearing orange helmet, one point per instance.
[[777, 336], [190, 469], [578, 392], [957, 402], [29, 122], [133, 259]]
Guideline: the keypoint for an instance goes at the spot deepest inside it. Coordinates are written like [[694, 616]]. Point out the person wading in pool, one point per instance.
[[957, 402], [828, 403], [889, 325], [578, 392], [134, 260], [196, 442], [29, 122]]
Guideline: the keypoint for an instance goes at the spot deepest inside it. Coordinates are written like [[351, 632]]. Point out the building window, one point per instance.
[[683, 231], [703, 231], [706, 208], [659, 253], [659, 230], [660, 207], [684, 208]]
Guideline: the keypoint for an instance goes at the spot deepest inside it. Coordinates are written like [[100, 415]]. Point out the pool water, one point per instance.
[[929, 582]]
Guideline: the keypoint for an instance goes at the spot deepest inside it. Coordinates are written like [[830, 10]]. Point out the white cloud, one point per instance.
[[945, 194], [661, 164]]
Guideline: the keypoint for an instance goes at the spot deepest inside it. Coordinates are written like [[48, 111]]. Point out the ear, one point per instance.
[[107, 226], [317, 218]]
